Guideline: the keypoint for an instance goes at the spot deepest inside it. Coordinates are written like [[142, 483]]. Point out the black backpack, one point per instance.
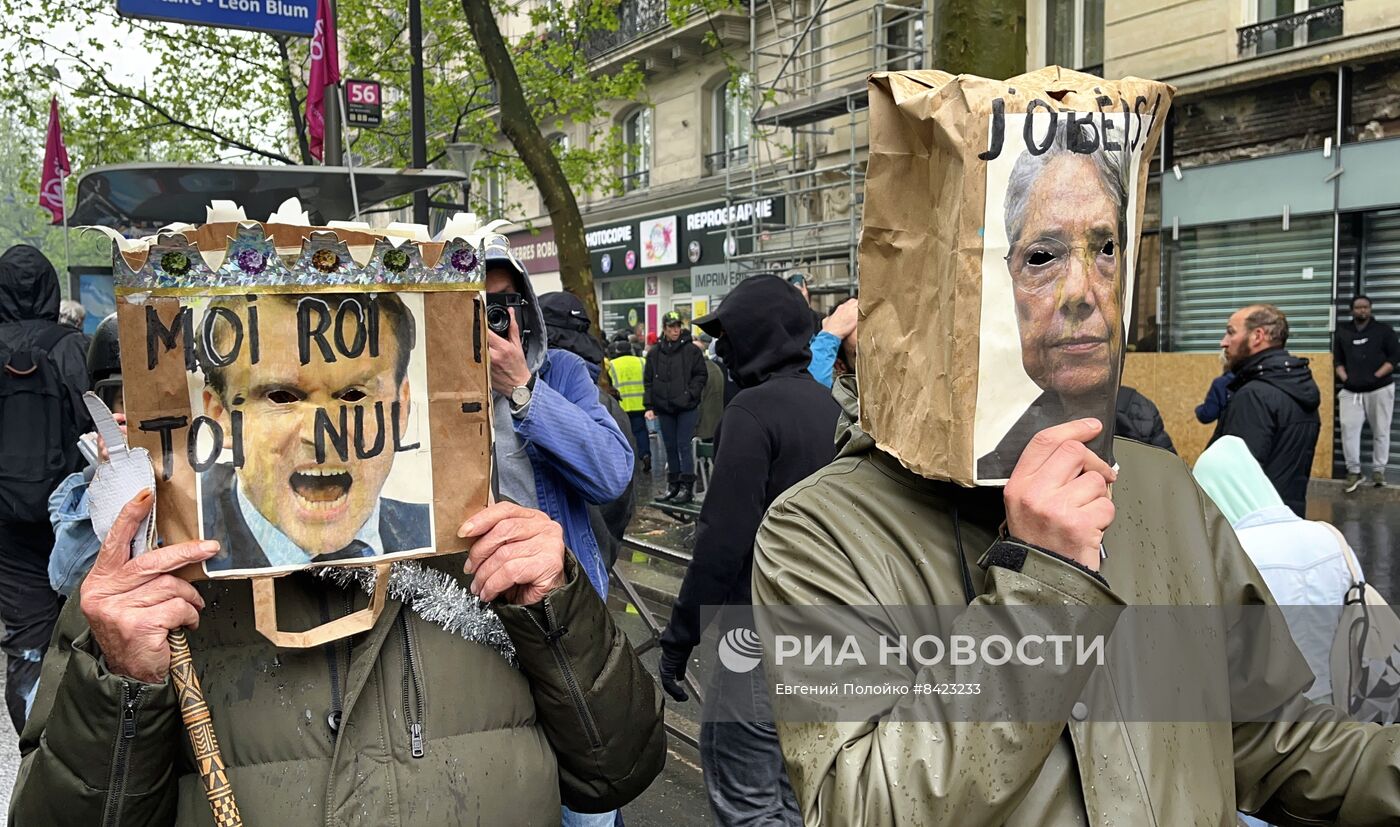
[[38, 428]]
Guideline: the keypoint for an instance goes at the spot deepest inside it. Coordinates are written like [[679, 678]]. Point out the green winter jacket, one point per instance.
[[432, 729], [866, 532]]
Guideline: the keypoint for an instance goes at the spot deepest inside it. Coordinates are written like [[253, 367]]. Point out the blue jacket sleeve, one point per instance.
[[1216, 399], [75, 545], [824, 347], [575, 433]]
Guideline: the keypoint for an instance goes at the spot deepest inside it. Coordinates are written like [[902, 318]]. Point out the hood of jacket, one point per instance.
[[1284, 371], [1235, 481], [764, 329], [850, 439], [567, 323], [514, 474], [28, 286]]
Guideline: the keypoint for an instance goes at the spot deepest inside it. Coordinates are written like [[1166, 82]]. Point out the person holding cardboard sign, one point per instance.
[[1194, 708], [488, 654]]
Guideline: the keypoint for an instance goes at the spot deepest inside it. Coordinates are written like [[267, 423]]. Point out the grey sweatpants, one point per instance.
[[1374, 408]]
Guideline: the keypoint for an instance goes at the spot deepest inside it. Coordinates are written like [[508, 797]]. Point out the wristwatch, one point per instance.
[[519, 397]]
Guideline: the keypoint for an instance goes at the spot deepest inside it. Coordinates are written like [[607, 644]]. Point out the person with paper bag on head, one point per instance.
[[1083, 529]]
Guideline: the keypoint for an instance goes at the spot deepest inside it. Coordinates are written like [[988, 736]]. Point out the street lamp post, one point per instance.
[[463, 157], [418, 116]]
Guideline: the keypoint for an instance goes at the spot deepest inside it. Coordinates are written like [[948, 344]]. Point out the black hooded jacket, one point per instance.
[[779, 430], [1137, 418], [1274, 410], [567, 322], [29, 296], [674, 376]]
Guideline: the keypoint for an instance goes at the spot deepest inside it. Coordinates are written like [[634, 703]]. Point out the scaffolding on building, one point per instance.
[[808, 63]]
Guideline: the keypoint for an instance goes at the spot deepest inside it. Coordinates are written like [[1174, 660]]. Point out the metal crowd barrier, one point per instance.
[[655, 627]]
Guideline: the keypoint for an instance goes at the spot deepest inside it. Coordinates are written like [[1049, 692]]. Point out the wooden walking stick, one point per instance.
[[125, 473], [195, 712]]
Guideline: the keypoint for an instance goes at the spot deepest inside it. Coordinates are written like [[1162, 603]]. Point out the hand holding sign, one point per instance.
[[133, 604], [1057, 498], [518, 553]]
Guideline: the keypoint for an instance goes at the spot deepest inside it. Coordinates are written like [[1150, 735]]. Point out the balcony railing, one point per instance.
[[1291, 30], [636, 18], [734, 156]]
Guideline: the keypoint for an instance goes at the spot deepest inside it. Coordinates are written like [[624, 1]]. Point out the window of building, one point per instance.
[[1074, 34], [493, 192], [1283, 24], [904, 40], [733, 119], [636, 159]]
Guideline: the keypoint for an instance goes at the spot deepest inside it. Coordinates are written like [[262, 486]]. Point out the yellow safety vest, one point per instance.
[[626, 375]]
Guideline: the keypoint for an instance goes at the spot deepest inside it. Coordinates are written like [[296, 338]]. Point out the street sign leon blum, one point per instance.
[[363, 104], [293, 17]]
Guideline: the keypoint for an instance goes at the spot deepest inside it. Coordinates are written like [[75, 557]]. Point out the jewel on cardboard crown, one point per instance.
[[230, 253]]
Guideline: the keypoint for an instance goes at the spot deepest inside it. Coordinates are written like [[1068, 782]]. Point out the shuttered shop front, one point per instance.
[[1214, 271]]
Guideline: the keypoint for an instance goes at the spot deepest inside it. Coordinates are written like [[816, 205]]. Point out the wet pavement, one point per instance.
[[1370, 520]]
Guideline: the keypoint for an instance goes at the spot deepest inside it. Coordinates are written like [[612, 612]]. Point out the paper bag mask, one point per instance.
[[309, 397], [997, 258]]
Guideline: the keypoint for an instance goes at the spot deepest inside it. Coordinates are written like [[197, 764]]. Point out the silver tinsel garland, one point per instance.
[[435, 597]]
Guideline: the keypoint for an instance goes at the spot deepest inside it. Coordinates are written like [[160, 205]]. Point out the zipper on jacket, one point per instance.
[[412, 691], [552, 636], [121, 754], [332, 651]]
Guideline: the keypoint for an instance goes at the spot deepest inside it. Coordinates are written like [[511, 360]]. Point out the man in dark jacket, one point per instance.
[[1364, 352], [29, 325], [1138, 418], [779, 429], [674, 379], [1274, 401]]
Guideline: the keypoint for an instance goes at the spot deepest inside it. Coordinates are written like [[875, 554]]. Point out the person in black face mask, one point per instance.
[[1365, 352]]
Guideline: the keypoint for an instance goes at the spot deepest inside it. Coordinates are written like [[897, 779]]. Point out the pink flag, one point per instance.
[[325, 70], [56, 167]]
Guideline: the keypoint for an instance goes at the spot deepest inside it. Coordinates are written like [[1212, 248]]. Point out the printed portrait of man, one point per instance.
[[295, 499], [1067, 232]]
